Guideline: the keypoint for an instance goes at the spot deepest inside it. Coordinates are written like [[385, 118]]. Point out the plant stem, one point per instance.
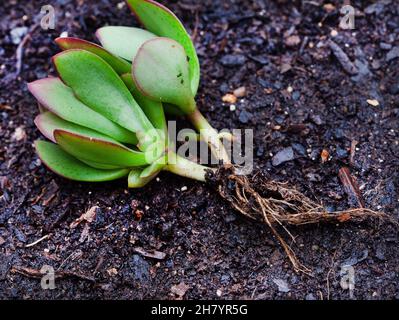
[[186, 168], [210, 135]]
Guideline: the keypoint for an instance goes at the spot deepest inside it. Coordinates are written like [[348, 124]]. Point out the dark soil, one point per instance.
[[211, 251]]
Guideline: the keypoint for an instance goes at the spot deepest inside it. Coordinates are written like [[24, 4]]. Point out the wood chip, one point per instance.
[[351, 187], [88, 216], [59, 274], [180, 289], [85, 233], [353, 151], [343, 58], [150, 253], [324, 155], [112, 272]]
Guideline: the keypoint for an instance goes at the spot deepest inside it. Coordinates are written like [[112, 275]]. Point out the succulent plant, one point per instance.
[[105, 112], [105, 118]]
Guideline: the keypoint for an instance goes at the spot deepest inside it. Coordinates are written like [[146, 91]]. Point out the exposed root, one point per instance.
[[279, 205]]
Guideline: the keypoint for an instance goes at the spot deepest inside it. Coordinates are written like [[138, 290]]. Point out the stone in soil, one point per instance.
[[284, 155], [231, 60]]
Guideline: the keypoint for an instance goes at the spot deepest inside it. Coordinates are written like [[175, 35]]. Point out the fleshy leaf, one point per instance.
[[100, 165], [98, 150], [67, 166], [123, 41], [162, 22], [47, 122], [98, 86], [119, 65], [56, 97], [136, 181], [152, 109], [160, 71], [153, 169], [173, 110]]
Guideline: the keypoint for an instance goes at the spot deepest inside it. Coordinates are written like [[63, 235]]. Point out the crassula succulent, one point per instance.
[[105, 117], [105, 112]]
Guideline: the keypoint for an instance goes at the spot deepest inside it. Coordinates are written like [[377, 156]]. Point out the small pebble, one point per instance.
[[112, 272], [393, 53], [284, 155], [64, 34], [341, 153], [184, 188], [282, 285], [329, 7], [385, 46], [232, 60], [19, 134], [232, 107], [244, 117], [292, 41], [373, 102], [333, 33], [240, 92], [229, 98]]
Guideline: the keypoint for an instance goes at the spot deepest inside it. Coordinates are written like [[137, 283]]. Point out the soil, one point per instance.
[[304, 94]]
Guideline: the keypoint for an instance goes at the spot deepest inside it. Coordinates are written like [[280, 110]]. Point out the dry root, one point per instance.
[[279, 205]]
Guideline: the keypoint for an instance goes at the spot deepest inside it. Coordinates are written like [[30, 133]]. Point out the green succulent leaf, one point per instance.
[[56, 97], [99, 151], [161, 21], [123, 41], [100, 165], [136, 181], [153, 169], [67, 166], [121, 66], [98, 86], [152, 109], [173, 110], [140, 177], [48, 122], [166, 59]]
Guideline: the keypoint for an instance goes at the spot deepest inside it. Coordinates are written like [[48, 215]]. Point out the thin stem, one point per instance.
[[186, 168], [210, 135]]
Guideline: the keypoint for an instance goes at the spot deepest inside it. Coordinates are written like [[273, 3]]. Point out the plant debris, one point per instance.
[[88, 216], [344, 60]]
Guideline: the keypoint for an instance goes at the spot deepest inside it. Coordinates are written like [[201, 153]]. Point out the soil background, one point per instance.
[[299, 100]]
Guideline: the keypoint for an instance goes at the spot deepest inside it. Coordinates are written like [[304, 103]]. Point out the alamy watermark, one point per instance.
[[48, 280], [347, 282], [48, 19], [347, 21]]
